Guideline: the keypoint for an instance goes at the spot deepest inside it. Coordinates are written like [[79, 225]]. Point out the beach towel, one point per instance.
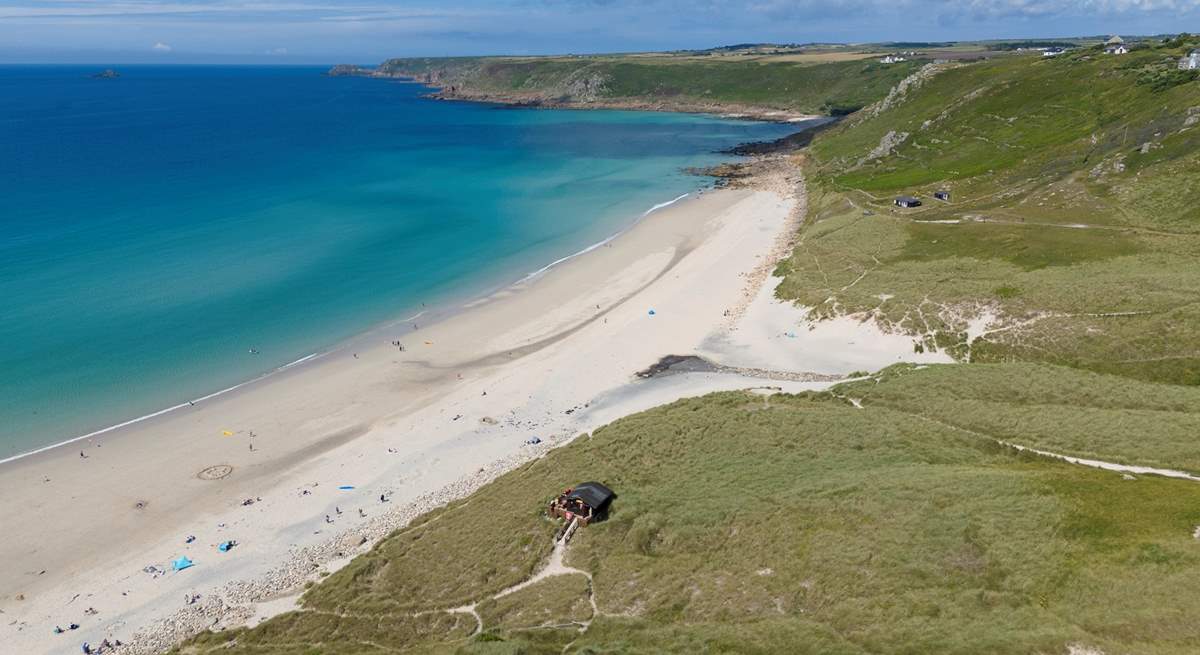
[[182, 563]]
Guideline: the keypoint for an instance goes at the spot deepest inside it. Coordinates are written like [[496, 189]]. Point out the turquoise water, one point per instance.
[[157, 227]]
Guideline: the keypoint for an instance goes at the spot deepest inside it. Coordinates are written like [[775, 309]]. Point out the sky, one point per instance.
[[368, 31]]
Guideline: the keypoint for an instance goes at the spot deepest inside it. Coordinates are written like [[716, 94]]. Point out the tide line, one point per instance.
[[160, 412], [599, 244]]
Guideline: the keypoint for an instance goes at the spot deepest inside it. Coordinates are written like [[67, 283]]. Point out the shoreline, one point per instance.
[[451, 306]]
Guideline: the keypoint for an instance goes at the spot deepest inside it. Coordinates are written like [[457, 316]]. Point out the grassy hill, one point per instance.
[[1074, 214], [806, 525], [820, 83]]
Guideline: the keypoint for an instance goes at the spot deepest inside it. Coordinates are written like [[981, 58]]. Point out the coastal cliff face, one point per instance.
[[771, 91]]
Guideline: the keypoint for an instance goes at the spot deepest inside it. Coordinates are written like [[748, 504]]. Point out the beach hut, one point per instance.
[[907, 201], [584, 503]]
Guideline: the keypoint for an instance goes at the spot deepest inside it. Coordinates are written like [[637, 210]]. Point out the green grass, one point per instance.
[[802, 524]]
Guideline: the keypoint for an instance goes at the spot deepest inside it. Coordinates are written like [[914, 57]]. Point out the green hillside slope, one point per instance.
[[1074, 214], [805, 525]]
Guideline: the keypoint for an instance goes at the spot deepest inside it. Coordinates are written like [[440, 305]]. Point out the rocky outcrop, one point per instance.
[[900, 91], [347, 70], [106, 74]]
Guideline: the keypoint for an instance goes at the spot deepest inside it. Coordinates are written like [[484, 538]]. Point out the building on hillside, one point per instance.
[[1052, 52], [1114, 40], [1190, 62], [892, 59], [1120, 49], [907, 201], [942, 195]]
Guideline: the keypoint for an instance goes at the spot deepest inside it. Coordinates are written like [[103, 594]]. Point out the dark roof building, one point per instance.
[[941, 195], [907, 201], [594, 494]]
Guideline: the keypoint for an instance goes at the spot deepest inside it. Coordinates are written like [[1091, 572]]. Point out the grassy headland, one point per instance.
[[753, 85]]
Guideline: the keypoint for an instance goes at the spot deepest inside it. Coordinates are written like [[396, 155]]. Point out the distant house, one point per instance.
[[942, 195], [1190, 62], [1052, 52], [1121, 49], [907, 201], [892, 59]]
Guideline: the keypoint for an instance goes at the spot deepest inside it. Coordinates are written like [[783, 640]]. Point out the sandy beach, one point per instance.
[[352, 444]]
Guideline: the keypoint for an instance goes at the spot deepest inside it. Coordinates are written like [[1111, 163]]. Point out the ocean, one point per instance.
[[177, 230]]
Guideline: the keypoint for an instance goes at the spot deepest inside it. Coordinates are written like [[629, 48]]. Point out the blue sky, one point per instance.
[[367, 31]]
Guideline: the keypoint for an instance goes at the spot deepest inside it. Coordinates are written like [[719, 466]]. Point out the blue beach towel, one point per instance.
[[182, 563]]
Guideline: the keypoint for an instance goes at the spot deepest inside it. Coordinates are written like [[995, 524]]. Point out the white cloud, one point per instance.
[[161, 47]]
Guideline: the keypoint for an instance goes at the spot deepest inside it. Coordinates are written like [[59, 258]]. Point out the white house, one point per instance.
[[1190, 62], [1117, 49], [1052, 52], [892, 59]]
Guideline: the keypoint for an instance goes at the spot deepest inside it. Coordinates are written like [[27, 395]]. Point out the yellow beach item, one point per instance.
[[227, 433]]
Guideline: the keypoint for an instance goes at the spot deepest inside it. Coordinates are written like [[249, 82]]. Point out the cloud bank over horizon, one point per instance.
[[323, 31]]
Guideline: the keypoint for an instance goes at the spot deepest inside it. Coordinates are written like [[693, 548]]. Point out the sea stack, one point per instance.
[[106, 74]]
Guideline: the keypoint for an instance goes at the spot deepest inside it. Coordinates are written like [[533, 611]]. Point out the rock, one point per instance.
[[106, 74], [347, 70]]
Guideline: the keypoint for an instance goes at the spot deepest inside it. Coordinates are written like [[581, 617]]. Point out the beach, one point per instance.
[[311, 465]]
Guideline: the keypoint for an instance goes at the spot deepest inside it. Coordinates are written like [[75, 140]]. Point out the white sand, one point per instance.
[[421, 426], [773, 334]]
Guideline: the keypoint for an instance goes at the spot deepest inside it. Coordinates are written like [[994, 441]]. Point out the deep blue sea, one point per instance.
[[156, 227]]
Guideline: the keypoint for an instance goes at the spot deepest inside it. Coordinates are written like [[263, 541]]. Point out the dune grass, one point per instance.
[[803, 524]]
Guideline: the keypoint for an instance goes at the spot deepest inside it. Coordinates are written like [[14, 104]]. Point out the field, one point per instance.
[[804, 524]]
